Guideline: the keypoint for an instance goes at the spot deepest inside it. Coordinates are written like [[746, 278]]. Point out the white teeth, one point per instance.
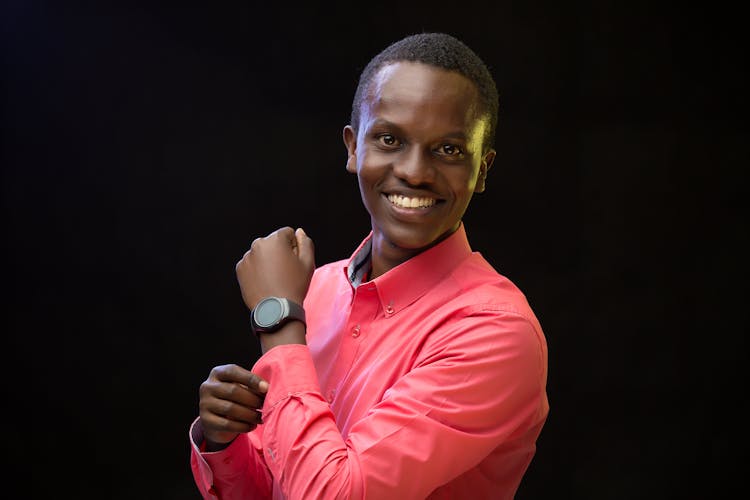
[[403, 201]]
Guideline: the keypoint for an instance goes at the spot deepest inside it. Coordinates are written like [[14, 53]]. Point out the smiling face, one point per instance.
[[418, 156]]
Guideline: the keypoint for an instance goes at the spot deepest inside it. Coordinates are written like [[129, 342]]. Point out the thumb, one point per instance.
[[305, 249]]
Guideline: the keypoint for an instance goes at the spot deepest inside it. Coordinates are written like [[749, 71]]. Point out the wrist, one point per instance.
[[292, 332], [211, 446]]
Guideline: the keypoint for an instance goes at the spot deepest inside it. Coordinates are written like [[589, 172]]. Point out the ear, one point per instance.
[[350, 141], [484, 167]]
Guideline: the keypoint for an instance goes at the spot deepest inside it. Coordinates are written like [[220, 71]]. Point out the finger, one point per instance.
[[233, 393], [220, 423], [258, 384], [233, 373], [291, 237], [231, 411], [306, 249]]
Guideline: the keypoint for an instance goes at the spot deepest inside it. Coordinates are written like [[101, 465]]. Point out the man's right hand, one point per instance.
[[229, 402]]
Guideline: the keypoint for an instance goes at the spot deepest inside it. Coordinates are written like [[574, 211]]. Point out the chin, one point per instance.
[[411, 240]]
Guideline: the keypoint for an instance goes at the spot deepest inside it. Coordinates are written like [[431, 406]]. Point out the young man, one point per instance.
[[414, 370]]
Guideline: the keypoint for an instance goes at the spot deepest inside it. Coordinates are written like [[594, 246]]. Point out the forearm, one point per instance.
[[291, 333], [303, 447]]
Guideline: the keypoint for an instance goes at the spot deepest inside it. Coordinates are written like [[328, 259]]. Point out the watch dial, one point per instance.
[[268, 312]]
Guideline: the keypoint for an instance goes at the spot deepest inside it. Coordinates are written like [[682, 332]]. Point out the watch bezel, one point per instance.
[[289, 311]]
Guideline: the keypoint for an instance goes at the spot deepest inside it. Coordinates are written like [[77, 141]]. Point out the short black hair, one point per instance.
[[442, 51]]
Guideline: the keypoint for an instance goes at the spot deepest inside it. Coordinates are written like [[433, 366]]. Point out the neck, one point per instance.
[[386, 255]]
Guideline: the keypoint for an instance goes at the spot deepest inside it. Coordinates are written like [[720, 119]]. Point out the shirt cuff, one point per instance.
[[289, 370], [231, 460]]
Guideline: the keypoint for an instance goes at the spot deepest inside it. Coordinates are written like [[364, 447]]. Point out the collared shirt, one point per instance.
[[428, 381]]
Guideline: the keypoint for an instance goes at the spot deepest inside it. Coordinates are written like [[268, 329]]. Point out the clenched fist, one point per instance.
[[280, 265]]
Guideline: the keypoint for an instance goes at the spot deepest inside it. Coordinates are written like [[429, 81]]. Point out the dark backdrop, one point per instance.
[[145, 146]]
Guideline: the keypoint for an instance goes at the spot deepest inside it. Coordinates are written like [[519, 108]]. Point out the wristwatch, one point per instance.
[[272, 313]]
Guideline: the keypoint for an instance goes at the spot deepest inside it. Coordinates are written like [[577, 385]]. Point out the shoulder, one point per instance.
[[476, 302], [479, 287], [481, 319]]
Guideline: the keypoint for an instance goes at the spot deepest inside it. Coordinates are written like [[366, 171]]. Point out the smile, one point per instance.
[[406, 202]]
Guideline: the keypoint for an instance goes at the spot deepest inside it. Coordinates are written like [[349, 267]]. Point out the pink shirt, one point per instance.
[[427, 382]]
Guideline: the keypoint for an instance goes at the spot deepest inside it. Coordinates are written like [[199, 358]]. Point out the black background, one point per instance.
[[145, 146]]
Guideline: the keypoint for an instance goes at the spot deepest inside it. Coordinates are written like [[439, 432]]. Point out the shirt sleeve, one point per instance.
[[236, 472], [479, 383]]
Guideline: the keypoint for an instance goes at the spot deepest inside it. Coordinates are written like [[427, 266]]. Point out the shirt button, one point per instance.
[[355, 331], [330, 396], [389, 309]]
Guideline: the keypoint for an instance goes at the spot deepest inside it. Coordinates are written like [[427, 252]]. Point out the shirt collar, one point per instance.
[[360, 263], [408, 281]]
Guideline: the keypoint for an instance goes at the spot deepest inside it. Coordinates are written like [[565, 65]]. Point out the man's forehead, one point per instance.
[[414, 85]]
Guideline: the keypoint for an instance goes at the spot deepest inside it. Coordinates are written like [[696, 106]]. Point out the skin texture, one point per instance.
[[421, 137]]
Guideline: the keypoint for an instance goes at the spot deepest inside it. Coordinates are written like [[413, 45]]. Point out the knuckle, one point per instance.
[[202, 406], [232, 369], [285, 232], [222, 423], [204, 388], [226, 424], [232, 391], [226, 408], [219, 372]]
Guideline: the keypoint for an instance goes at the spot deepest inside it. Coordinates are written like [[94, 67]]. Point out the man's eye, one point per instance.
[[387, 140], [451, 150]]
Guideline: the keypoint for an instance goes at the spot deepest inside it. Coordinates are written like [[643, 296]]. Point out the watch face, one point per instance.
[[268, 312]]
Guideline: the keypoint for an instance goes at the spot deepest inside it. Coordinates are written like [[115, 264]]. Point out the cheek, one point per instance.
[[371, 169], [367, 188], [463, 183]]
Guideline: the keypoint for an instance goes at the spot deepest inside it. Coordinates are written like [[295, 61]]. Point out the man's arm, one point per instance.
[[481, 389], [225, 456], [222, 448], [237, 471]]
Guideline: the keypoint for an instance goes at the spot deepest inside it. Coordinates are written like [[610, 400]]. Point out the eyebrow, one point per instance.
[[382, 122], [460, 136]]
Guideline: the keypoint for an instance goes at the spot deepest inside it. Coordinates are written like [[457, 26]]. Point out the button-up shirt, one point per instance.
[[426, 382]]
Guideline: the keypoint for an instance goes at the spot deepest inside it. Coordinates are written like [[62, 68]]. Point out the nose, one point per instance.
[[414, 167]]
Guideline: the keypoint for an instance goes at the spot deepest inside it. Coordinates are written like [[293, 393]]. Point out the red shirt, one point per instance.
[[428, 381]]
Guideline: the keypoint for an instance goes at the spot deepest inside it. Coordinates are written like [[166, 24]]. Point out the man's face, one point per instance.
[[418, 155]]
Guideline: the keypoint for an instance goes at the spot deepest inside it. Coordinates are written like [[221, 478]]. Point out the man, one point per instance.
[[414, 370]]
